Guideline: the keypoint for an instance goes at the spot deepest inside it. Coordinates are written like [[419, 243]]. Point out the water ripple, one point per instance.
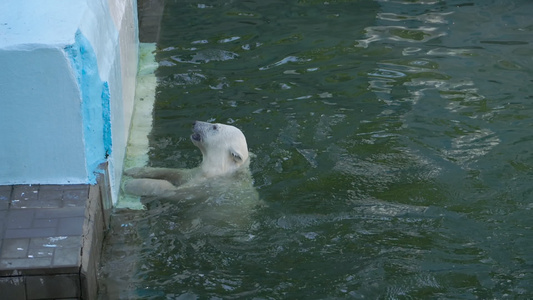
[[432, 18], [183, 79], [467, 148], [286, 60], [386, 73], [420, 34], [205, 56]]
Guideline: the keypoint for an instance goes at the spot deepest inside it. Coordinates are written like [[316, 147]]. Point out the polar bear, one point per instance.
[[223, 179]]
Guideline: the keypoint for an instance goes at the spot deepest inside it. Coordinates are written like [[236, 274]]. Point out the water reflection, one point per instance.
[[205, 56], [420, 34]]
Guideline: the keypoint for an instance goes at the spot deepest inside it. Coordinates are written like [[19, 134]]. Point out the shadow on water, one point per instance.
[[391, 145]]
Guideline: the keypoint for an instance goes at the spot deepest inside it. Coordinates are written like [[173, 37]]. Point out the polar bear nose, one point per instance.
[[196, 125], [199, 123]]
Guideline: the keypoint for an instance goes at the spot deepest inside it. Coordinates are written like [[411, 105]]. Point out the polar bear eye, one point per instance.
[[215, 127]]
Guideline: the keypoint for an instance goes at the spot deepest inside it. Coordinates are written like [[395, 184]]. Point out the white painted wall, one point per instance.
[[67, 82]]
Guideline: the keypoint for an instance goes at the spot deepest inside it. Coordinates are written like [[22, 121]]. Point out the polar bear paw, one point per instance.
[[149, 187]]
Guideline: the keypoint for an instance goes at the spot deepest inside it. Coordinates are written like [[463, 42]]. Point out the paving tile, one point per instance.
[[66, 241], [25, 192], [70, 226], [23, 204], [25, 263], [66, 257], [41, 252], [29, 233], [44, 242], [19, 218], [5, 190], [76, 198], [4, 204], [51, 193], [68, 187], [37, 196], [3, 217], [41, 228], [5, 196], [15, 248], [56, 242], [51, 187], [45, 222], [74, 203], [13, 288], [53, 287], [80, 192], [64, 212]]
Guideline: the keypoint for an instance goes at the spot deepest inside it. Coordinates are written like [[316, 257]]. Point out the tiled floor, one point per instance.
[[50, 240], [41, 228]]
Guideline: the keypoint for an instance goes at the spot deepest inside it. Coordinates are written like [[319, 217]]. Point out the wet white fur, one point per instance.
[[225, 158], [223, 147]]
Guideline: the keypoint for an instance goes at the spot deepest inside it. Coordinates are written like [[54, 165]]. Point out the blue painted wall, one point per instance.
[[95, 104]]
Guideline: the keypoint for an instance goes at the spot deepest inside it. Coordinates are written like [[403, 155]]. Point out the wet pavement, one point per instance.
[[44, 231], [42, 227]]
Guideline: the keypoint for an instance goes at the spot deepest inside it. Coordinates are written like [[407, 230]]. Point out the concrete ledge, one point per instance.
[[51, 239]]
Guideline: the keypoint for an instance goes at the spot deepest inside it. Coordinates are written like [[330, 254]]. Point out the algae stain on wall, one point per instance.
[[142, 119]]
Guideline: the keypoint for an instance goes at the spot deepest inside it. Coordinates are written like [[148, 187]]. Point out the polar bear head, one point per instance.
[[223, 147]]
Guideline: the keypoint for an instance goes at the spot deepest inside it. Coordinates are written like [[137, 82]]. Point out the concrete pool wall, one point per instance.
[[67, 83]]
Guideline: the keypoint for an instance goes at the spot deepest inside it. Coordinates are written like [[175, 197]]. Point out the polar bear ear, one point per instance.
[[236, 156]]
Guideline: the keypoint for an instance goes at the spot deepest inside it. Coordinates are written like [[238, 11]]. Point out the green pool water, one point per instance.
[[392, 148]]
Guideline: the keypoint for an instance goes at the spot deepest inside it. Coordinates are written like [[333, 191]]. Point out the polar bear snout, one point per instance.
[[198, 129], [201, 131], [199, 126]]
